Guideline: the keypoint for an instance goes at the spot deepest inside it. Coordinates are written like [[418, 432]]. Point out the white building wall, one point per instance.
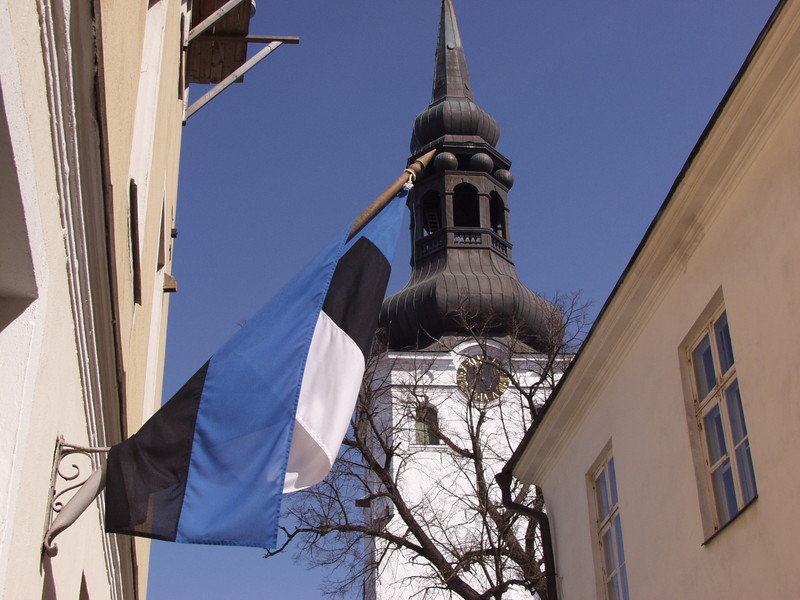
[[729, 236], [434, 482], [25, 115]]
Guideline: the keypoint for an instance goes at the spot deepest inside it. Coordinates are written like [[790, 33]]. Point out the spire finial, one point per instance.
[[452, 115], [451, 78]]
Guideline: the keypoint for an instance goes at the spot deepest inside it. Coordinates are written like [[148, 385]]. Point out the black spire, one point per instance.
[[462, 272], [452, 114], [451, 78]]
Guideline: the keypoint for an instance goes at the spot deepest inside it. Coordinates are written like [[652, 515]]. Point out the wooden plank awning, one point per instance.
[[210, 60], [217, 46]]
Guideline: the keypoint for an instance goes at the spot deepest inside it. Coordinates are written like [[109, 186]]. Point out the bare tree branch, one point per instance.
[[434, 508]]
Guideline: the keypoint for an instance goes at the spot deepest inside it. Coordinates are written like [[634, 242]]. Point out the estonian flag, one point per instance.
[[266, 414]]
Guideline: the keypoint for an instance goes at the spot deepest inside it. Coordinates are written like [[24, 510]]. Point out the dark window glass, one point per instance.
[[427, 426]]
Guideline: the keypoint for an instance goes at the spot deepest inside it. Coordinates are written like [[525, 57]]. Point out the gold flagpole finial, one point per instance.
[[409, 174]]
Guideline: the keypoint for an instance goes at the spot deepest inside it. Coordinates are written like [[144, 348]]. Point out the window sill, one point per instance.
[[726, 525], [428, 447]]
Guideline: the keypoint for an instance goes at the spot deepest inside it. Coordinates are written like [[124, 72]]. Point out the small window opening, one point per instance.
[[497, 214], [431, 213], [133, 231], [427, 426], [720, 415], [466, 207], [162, 240], [609, 532]]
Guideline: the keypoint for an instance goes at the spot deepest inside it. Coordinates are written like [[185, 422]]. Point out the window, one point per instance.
[[718, 406], [609, 532], [133, 232], [427, 425], [466, 206], [431, 213], [497, 214]]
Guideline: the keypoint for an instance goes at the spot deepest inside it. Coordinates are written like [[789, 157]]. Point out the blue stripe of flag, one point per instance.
[[246, 414]]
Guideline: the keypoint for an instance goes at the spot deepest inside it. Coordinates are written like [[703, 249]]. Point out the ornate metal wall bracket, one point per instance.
[[66, 478]]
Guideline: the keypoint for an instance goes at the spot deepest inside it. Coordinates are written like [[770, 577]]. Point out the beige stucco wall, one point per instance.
[[43, 369], [46, 378], [142, 327], [730, 233], [124, 32]]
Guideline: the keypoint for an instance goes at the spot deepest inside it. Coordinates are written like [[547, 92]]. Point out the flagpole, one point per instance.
[[373, 209]]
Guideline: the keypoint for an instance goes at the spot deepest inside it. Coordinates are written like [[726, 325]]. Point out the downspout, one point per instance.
[[504, 481]]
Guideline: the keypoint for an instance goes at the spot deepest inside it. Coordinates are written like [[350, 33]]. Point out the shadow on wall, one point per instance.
[[49, 585], [17, 281]]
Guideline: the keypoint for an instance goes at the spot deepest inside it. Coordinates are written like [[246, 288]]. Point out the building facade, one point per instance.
[[668, 452], [92, 104]]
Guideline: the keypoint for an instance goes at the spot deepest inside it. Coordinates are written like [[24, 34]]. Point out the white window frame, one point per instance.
[[716, 402], [608, 531]]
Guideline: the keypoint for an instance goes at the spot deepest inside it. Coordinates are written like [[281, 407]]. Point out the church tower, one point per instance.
[[458, 385], [461, 241]]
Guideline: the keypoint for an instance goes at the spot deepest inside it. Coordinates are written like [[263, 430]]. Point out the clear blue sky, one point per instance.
[[599, 103]]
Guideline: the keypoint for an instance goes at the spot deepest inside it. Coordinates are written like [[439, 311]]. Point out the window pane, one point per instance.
[[724, 492], [618, 533], [610, 532], [613, 591], [703, 361], [608, 552], [602, 495], [747, 477], [724, 346], [735, 413], [612, 482], [432, 420], [623, 579], [715, 437], [426, 425], [422, 433]]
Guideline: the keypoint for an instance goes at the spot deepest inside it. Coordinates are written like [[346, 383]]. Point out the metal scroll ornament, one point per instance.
[[65, 478]]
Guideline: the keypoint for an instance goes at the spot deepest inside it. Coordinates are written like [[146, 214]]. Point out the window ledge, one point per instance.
[[724, 527], [428, 447]]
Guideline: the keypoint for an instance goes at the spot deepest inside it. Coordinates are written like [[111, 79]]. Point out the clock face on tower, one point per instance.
[[482, 378]]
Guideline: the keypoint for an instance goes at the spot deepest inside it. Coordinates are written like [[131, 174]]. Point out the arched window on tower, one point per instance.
[[466, 207], [431, 213], [427, 425], [497, 214]]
